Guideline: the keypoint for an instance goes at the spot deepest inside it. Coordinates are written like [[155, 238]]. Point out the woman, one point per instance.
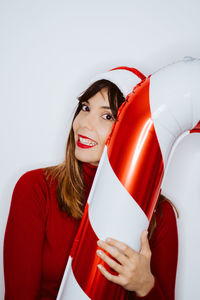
[[47, 206]]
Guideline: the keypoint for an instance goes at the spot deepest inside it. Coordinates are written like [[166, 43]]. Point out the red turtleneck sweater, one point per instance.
[[39, 237]]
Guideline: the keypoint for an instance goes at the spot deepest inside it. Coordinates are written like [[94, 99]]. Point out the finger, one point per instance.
[[110, 277], [114, 252], [124, 248], [113, 264], [145, 248]]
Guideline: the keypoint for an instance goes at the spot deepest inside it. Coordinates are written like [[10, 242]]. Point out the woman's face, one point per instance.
[[92, 127]]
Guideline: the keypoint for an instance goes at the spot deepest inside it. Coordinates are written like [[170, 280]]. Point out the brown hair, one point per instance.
[[70, 186]]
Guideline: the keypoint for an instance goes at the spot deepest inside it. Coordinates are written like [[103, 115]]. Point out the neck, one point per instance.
[[89, 172]]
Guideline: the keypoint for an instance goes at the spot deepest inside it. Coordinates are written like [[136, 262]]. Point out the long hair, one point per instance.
[[70, 186]]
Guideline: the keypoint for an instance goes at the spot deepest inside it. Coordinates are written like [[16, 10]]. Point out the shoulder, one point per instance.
[[166, 224], [33, 178], [165, 212], [31, 190], [31, 174]]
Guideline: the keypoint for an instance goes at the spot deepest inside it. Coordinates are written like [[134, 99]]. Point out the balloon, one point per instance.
[[181, 185], [128, 179]]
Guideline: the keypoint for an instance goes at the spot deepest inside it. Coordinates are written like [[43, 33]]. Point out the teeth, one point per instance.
[[86, 142]]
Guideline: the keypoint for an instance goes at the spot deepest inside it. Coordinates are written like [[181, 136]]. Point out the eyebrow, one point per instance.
[[105, 107]]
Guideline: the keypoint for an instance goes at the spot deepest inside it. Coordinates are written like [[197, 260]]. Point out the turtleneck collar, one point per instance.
[[88, 167]]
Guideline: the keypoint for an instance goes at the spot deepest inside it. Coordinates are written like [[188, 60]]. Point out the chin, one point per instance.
[[83, 157]]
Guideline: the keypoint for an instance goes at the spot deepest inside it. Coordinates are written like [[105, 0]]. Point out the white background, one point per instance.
[[49, 50]]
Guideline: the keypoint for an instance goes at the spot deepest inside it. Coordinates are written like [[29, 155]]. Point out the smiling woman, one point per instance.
[[91, 120], [48, 203], [92, 127]]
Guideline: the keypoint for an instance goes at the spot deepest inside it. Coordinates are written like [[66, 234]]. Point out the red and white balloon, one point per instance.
[[128, 179]]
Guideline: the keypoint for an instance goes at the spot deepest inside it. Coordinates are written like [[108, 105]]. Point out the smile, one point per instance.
[[84, 142]]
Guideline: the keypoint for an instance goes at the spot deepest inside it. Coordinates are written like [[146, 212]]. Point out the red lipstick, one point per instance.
[[79, 144]]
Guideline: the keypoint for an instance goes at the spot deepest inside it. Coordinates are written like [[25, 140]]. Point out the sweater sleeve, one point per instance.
[[24, 238], [164, 247]]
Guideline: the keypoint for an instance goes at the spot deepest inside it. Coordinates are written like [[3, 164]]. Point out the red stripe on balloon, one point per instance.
[[134, 152], [196, 128], [84, 265], [133, 70]]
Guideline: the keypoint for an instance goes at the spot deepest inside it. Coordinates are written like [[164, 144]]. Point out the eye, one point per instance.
[[108, 117], [84, 107]]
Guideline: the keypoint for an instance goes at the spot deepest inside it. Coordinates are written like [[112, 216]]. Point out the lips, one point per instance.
[[85, 142]]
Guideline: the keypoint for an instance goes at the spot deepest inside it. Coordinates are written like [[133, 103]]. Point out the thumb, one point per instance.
[[145, 248]]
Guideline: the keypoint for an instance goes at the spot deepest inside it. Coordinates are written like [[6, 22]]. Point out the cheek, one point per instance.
[[105, 133], [75, 124]]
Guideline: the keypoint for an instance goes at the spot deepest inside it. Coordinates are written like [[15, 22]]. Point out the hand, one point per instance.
[[133, 268]]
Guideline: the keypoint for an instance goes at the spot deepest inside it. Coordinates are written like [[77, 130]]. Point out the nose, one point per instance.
[[87, 121]]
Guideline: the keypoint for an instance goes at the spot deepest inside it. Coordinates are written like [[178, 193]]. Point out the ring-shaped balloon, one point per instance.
[[154, 115]]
